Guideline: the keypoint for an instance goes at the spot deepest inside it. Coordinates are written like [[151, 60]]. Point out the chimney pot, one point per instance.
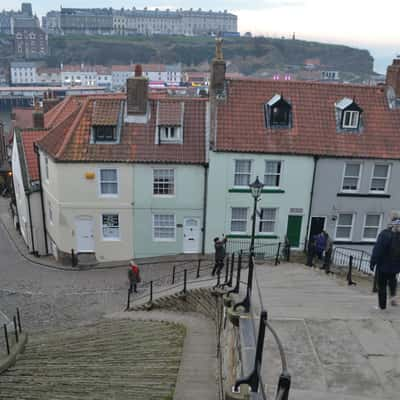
[[393, 76], [136, 95]]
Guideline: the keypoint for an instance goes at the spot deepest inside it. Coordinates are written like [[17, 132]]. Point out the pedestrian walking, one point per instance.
[[320, 244], [328, 252], [386, 261], [311, 250], [134, 276], [220, 253]]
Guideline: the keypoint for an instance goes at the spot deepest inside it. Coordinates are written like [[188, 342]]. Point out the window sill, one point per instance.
[[370, 195], [108, 196], [111, 239], [164, 240], [245, 190], [244, 236], [164, 195]]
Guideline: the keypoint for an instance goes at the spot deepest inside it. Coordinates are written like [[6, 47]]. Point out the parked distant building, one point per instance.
[[23, 72], [146, 22], [48, 76], [30, 42], [330, 75], [9, 20]]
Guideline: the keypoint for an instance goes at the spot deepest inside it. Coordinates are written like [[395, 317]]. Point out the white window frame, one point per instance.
[[373, 177], [105, 195], [379, 227], [174, 183], [353, 121], [102, 226], [350, 176], [246, 220], [157, 239], [274, 174], [261, 220], [241, 173], [165, 133], [349, 239]]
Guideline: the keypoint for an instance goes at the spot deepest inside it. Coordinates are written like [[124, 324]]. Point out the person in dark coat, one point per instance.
[[328, 252], [134, 276], [220, 253], [386, 259], [311, 250]]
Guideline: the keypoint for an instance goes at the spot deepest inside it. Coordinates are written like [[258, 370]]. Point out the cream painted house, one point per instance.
[[88, 208]]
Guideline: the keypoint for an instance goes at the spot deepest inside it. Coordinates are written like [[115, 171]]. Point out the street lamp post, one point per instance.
[[256, 188]]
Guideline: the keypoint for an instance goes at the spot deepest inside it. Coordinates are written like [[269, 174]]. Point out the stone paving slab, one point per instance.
[[337, 345]]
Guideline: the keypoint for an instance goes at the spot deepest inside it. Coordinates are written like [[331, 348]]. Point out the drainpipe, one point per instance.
[[205, 192], [28, 196], [41, 199], [311, 201]]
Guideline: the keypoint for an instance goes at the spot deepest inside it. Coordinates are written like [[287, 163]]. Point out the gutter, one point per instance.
[[316, 158], [28, 196], [205, 193], [36, 148]]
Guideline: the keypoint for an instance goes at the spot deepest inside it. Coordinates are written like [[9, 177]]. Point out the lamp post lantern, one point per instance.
[[256, 188]]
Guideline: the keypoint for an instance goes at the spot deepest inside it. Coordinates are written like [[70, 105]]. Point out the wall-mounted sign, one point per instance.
[[89, 175]]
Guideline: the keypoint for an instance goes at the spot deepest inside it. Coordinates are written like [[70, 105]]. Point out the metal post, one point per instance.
[[253, 228], [15, 329], [253, 379], [245, 303], [72, 257], [277, 254], [128, 304], [349, 277], [19, 320], [184, 280], [226, 270], [237, 286], [284, 385], [231, 271], [198, 268], [151, 291], [173, 275], [6, 339]]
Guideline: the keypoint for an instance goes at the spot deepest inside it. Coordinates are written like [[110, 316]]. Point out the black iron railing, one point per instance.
[[15, 331]]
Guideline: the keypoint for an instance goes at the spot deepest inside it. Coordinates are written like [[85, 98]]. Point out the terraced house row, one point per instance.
[[145, 174]]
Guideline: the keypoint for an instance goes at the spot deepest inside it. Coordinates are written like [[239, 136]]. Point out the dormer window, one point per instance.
[[106, 121], [348, 115], [170, 134], [104, 133], [278, 113], [350, 119]]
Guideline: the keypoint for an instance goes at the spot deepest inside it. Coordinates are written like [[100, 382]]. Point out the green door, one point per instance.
[[294, 230]]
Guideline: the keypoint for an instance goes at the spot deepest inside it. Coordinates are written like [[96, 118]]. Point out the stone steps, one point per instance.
[[109, 360]]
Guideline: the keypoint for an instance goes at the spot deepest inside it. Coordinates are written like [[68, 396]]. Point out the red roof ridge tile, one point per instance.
[[72, 128]]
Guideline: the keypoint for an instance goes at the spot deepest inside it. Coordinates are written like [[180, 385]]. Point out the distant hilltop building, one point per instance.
[[23, 19], [107, 21]]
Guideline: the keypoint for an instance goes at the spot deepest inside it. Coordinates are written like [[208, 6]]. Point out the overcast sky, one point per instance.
[[368, 24]]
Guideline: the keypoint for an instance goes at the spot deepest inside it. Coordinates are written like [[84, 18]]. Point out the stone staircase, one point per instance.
[[109, 360], [199, 300]]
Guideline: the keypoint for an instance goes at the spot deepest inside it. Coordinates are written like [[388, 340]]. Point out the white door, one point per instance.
[[191, 235], [84, 234]]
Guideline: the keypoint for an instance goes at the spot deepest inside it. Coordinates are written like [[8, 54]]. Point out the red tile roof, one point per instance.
[[106, 111], [70, 141], [241, 121], [28, 140], [170, 112]]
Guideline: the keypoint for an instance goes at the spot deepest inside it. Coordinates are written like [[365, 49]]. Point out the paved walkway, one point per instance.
[[338, 346]]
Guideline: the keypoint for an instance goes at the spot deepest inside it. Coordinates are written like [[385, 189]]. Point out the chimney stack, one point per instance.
[[218, 69], [49, 101], [393, 76], [137, 93], [38, 116]]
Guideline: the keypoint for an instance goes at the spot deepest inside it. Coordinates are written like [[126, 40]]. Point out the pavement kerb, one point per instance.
[[18, 348], [118, 264]]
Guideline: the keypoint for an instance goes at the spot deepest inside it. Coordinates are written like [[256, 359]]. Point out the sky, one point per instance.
[[366, 24]]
